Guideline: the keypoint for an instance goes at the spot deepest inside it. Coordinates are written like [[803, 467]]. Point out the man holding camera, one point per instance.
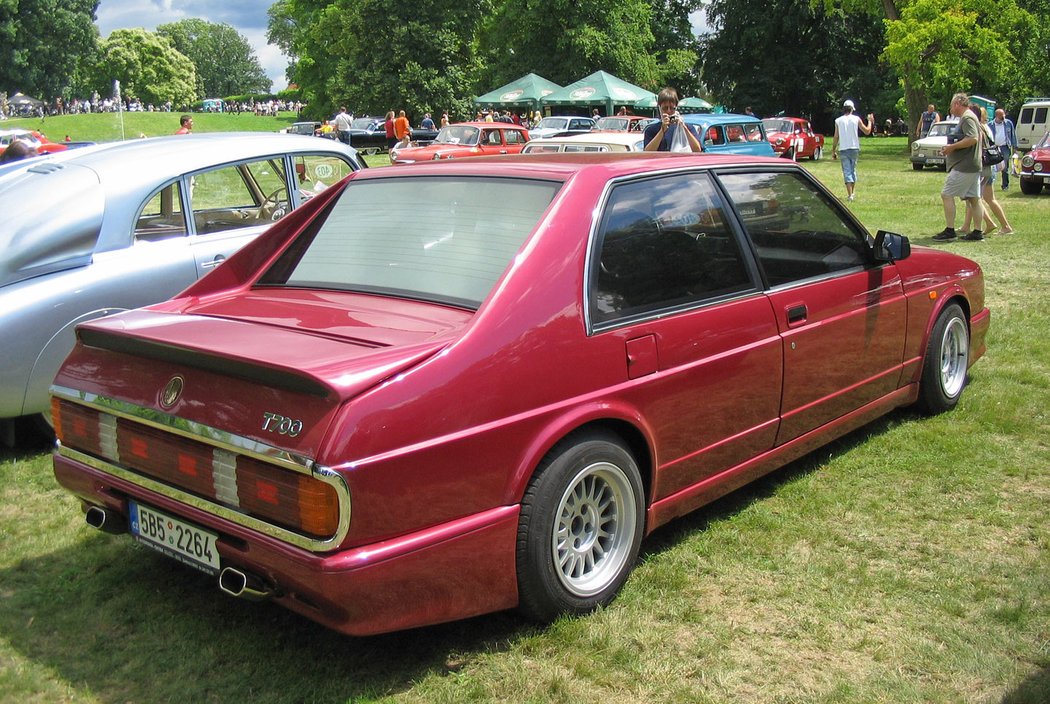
[[661, 136]]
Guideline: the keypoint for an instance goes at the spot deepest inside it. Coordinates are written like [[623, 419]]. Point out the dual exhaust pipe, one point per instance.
[[232, 581]]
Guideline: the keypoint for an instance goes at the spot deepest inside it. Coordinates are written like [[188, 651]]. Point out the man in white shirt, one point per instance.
[[847, 133], [342, 125]]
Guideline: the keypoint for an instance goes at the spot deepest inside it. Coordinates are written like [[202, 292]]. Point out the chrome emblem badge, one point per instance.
[[172, 391]]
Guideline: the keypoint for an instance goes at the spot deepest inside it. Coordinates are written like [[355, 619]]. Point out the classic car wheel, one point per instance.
[[947, 356], [1031, 187], [580, 527], [916, 167], [818, 154]]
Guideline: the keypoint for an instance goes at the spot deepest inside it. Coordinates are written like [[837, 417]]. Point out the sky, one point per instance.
[[246, 16]]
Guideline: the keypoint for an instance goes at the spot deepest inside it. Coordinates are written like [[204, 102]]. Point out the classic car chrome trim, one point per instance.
[[187, 429], [282, 534], [225, 448]]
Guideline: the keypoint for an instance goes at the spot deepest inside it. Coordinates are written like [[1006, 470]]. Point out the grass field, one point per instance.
[[907, 562]]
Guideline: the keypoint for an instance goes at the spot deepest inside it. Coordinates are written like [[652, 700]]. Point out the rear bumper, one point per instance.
[[452, 571]]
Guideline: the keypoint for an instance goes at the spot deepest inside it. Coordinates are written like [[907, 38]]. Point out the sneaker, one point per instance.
[[851, 197], [974, 236], [945, 235], [1006, 186]]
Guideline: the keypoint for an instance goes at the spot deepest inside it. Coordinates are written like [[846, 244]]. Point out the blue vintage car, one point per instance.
[[728, 132], [107, 228]]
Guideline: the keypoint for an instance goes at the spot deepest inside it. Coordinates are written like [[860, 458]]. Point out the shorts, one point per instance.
[[962, 184], [848, 159]]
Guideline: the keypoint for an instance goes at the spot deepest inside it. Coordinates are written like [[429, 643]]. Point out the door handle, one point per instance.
[[219, 259], [797, 314]]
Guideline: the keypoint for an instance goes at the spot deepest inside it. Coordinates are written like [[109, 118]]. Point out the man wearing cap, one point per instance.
[[847, 132]]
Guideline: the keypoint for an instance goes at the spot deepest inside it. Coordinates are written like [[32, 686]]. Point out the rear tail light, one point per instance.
[[284, 497]]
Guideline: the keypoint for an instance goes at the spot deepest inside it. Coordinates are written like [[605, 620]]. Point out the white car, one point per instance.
[[588, 142], [927, 151], [561, 126]]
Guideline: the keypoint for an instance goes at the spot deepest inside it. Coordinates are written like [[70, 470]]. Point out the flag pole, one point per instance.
[[120, 106]]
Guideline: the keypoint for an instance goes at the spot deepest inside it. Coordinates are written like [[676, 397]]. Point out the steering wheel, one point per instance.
[[271, 208]]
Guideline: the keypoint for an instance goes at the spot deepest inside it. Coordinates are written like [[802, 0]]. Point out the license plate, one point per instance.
[[182, 541], [934, 160]]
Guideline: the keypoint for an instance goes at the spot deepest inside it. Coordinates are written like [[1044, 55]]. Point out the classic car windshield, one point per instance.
[[1044, 142], [553, 123], [362, 123], [445, 239], [458, 134], [940, 130], [612, 123], [779, 125]]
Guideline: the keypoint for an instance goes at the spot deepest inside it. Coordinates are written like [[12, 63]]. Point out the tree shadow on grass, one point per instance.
[[1033, 690], [114, 619]]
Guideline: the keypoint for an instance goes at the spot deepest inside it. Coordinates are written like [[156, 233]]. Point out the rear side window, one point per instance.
[[663, 243], [1026, 116], [796, 231], [514, 137], [1040, 115], [162, 216]]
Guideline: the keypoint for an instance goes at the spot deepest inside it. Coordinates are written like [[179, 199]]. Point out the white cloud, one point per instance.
[[246, 16]]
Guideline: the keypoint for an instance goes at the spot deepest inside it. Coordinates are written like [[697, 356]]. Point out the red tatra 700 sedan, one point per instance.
[[448, 389]]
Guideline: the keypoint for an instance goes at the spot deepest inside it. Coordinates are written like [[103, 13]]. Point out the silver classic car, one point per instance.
[[113, 227]]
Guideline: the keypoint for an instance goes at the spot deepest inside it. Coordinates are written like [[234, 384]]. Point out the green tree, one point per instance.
[[675, 47], [42, 42], [939, 47], [226, 63], [565, 40], [147, 66], [300, 28], [825, 58]]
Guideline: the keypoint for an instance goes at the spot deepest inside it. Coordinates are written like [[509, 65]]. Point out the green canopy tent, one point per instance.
[[526, 92], [686, 105], [600, 89]]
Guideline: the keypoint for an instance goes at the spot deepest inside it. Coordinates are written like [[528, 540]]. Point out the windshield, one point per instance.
[[443, 239], [458, 134], [1044, 143], [779, 125], [613, 123], [940, 130], [362, 123], [553, 123]]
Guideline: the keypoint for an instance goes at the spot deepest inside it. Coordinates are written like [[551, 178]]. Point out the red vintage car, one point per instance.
[[794, 138], [449, 389], [35, 139], [466, 139], [1035, 167]]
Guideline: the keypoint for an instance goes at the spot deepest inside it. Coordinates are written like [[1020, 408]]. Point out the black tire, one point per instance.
[[1031, 187], [916, 167], [588, 491], [947, 358]]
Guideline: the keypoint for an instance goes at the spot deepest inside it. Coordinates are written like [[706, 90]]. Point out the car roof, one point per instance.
[[609, 137], [562, 166], [490, 125], [710, 118], [95, 184]]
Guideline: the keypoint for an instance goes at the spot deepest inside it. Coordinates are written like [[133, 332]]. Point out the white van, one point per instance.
[[1033, 122]]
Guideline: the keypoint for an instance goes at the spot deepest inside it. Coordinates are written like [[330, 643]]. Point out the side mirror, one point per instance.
[[891, 247]]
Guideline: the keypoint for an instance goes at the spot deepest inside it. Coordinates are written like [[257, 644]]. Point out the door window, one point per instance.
[[796, 231], [514, 137], [162, 216], [316, 172], [242, 195], [663, 243]]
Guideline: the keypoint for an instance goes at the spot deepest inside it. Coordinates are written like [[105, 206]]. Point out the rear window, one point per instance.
[[444, 239]]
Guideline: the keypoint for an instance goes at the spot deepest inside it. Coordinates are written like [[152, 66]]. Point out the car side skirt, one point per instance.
[[704, 492]]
